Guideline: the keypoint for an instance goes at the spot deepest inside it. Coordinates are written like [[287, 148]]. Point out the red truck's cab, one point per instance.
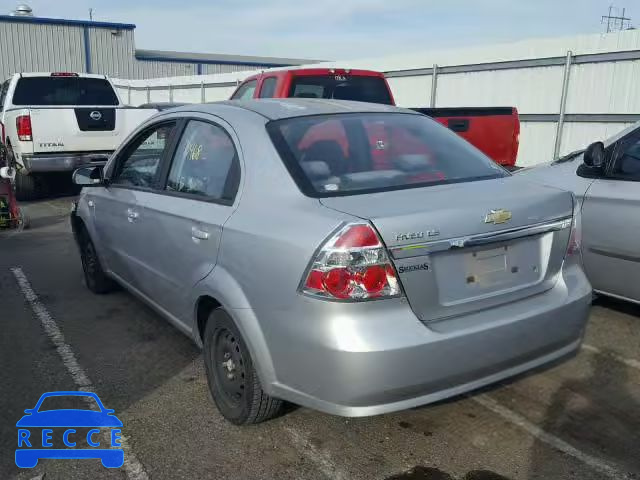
[[339, 84], [493, 130]]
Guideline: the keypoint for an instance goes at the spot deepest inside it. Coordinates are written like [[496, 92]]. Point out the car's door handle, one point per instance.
[[198, 234], [132, 215]]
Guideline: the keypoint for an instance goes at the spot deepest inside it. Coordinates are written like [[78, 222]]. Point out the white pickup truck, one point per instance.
[[53, 123]]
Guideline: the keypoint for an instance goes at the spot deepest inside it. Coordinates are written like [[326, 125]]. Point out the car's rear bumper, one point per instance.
[[377, 357], [63, 162]]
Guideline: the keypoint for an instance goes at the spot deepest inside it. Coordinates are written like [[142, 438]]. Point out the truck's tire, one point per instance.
[[233, 380], [28, 187]]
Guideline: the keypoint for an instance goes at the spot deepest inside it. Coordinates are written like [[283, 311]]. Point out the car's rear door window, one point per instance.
[[64, 91], [341, 87], [345, 154], [245, 91], [138, 164], [205, 163]]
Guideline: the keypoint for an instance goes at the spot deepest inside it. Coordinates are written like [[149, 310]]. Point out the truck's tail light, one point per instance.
[[23, 125], [352, 265], [575, 239], [64, 74]]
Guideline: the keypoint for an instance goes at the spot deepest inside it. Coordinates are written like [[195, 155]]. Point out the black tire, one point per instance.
[[233, 380], [95, 278], [28, 187]]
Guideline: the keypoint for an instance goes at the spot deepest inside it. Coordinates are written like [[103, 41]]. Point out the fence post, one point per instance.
[[128, 94], [434, 86], [148, 94], [202, 94], [170, 93], [563, 105]]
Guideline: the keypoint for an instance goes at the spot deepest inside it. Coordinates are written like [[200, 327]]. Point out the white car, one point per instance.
[[57, 122]]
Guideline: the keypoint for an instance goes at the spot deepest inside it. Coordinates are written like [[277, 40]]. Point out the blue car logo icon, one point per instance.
[[36, 428]]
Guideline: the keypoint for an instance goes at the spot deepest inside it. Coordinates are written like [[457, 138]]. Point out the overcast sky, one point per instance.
[[334, 29]]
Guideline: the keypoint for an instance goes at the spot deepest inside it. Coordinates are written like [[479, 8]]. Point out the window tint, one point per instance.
[[64, 91], [628, 165], [246, 90], [205, 163], [358, 153], [341, 87], [268, 87], [140, 161]]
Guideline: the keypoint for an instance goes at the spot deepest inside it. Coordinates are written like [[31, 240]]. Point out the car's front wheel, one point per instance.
[[233, 380], [97, 281]]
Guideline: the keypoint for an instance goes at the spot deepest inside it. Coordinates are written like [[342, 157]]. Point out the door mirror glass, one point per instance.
[[8, 172], [594, 155], [88, 177]]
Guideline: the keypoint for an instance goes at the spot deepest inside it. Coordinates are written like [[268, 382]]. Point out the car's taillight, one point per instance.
[[352, 265], [23, 125], [575, 239]]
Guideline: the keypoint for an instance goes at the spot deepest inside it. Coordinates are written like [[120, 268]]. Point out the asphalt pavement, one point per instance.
[[577, 419]]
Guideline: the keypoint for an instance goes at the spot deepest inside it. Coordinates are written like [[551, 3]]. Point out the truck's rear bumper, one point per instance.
[[62, 162]]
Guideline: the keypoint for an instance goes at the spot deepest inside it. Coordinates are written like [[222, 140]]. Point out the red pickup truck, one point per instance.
[[494, 130]]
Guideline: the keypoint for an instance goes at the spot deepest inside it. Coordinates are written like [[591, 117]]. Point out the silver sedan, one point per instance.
[[606, 180], [349, 257]]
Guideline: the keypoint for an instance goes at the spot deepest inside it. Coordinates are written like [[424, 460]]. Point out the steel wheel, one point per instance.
[[230, 367], [231, 375]]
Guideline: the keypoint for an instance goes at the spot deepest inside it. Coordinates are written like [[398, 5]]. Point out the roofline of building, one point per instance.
[[63, 21], [219, 59]]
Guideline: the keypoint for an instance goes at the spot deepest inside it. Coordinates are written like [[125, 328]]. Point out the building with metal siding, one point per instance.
[[29, 44]]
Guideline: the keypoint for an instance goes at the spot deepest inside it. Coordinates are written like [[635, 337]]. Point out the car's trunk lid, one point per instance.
[[465, 247]]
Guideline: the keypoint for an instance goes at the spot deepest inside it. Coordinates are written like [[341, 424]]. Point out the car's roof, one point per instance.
[[278, 108]]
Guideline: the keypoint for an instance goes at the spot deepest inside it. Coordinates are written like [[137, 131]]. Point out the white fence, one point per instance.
[[569, 91]]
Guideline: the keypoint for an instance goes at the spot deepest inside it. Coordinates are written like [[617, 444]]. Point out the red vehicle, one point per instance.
[[494, 130]]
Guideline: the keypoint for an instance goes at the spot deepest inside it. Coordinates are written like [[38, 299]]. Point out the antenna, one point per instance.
[[618, 21]]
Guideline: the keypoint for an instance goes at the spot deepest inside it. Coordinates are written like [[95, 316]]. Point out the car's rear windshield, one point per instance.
[[64, 91], [341, 87], [346, 154]]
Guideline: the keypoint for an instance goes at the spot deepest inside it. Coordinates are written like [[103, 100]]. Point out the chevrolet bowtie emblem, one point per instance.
[[498, 216]]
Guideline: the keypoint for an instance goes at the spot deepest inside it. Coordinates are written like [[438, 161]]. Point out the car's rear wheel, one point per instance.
[[97, 281], [233, 380]]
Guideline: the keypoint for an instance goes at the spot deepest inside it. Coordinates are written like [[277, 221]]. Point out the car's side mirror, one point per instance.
[[593, 161], [8, 173], [88, 177], [594, 155]]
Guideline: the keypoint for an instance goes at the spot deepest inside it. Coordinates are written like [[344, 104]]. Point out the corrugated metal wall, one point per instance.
[[112, 52], [28, 47]]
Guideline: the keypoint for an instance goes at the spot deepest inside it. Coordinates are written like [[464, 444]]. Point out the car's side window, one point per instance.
[[138, 165], [268, 88], [205, 163], [627, 165], [246, 91]]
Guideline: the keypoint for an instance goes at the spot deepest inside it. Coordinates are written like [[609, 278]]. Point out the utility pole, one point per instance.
[[616, 22], [91, 14]]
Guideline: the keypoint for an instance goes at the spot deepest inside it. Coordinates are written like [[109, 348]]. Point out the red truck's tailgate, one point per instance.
[[494, 130]]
